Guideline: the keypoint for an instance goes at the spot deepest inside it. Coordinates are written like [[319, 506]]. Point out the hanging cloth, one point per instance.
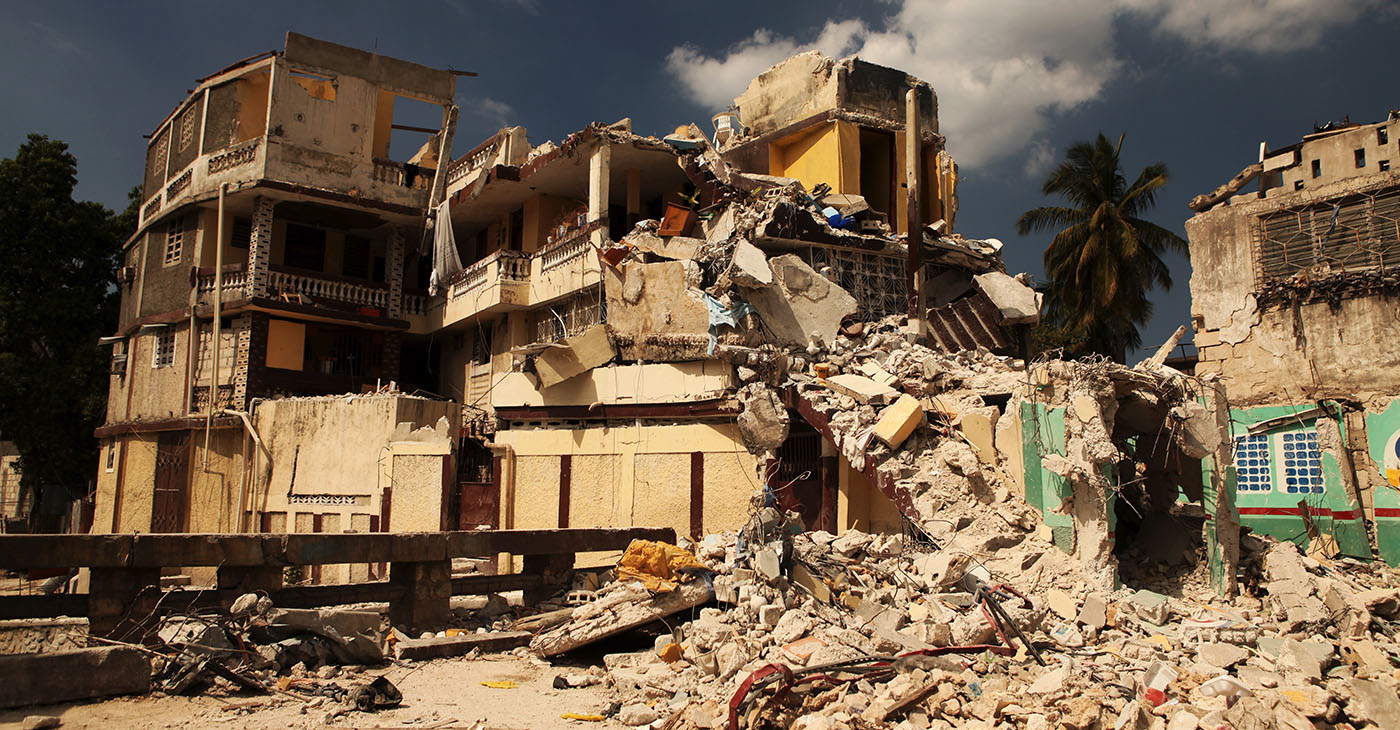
[[445, 260]]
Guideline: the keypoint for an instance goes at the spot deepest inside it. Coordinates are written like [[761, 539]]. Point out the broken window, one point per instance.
[[163, 356], [1252, 463], [481, 346], [111, 456], [1302, 462], [1382, 136], [1356, 232], [1384, 165], [1360, 158], [305, 248], [1317, 168], [571, 316], [877, 282], [175, 241]]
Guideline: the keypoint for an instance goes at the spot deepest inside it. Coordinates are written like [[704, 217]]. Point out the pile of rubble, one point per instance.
[[809, 630]]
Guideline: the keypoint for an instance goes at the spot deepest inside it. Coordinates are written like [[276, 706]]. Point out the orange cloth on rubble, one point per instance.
[[656, 565]]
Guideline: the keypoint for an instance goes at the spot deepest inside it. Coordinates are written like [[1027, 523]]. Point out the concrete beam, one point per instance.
[[68, 676]]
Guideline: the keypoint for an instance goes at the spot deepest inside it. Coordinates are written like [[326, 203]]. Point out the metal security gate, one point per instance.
[[800, 481], [172, 488]]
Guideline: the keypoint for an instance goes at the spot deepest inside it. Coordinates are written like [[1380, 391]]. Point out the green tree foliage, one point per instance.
[[57, 297], [1105, 257]]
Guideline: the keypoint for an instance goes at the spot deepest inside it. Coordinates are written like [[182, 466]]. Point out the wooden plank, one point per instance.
[[335, 595]]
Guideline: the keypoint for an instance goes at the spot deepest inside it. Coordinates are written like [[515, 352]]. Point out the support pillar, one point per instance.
[[599, 172], [1222, 519], [260, 247], [122, 602], [393, 273], [913, 162], [426, 594], [556, 573], [236, 581]]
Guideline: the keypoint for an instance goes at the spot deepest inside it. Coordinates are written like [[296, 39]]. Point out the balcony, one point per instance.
[[235, 285], [328, 292], [498, 283]]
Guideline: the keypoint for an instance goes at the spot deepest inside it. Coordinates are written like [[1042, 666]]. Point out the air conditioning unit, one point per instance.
[[126, 275]]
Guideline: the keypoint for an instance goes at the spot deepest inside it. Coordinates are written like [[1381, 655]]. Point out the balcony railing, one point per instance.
[[284, 284], [415, 305], [474, 160], [567, 249], [505, 265], [397, 173], [235, 284]]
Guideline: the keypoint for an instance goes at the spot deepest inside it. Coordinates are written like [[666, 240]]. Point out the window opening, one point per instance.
[[1360, 158], [1317, 168], [305, 248], [164, 354], [174, 241]]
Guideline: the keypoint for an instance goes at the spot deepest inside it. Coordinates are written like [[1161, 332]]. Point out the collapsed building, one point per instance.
[[1294, 280]]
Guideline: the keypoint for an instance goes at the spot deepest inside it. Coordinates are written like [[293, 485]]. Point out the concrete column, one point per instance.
[[393, 273], [122, 601], [426, 596], [260, 247], [1223, 521], [243, 335], [599, 172], [235, 581]]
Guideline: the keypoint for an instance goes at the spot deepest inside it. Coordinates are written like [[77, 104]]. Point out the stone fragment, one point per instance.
[[1150, 606], [1018, 303], [851, 542], [1296, 658], [731, 657], [861, 388], [1094, 612], [1061, 603], [636, 714], [768, 563], [749, 266], [770, 615], [1366, 657], [1221, 656], [978, 430], [800, 302], [1183, 721], [763, 422], [792, 626], [574, 356], [449, 646], [1051, 680], [40, 722], [1374, 702], [803, 649]]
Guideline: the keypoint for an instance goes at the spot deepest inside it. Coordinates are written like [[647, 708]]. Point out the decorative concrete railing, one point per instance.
[[415, 305], [504, 265], [282, 283], [395, 173], [474, 160], [568, 249], [235, 285]]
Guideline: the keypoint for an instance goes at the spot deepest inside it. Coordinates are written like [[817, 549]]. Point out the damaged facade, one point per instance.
[[1315, 229]]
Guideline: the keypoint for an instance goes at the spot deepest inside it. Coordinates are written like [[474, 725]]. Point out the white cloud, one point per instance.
[[493, 111], [1040, 156], [1003, 69]]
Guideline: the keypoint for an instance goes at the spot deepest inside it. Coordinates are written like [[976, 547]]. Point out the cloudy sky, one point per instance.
[[1197, 84]]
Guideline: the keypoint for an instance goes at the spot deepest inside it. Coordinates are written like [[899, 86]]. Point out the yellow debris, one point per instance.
[[656, 565], [585, 718], [502, 684]]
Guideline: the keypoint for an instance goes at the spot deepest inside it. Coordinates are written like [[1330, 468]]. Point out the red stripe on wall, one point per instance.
[[1351, 514], [1388, 511], [566, 478], [697, 494]]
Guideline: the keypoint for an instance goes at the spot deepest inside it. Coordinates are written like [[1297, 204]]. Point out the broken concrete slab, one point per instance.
[[861, 388], [763, 422], [800, 303], [749, 266], [67, 676], [1018, 303], [677, 248], [575, 355], [449, 646], [627, 607]]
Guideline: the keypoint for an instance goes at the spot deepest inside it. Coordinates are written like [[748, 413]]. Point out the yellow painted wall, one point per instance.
[[286, 343], [860, 506], [629, 476], [252, 104], [156, 393], [139, 482], [417, 479], [106, 485], [383, 124], [214, 489], [662, 493], [541, 211], [536, 492], [827, 154]]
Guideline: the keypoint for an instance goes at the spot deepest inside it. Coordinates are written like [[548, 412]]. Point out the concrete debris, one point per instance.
[[73, 675], [763, 422]]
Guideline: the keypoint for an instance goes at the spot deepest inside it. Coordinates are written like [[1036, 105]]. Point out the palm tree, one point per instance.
[[1105, 257]]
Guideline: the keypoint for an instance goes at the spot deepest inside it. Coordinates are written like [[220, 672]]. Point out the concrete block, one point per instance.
[[449, 646], [978, 429], [803, 577], [1150, 606], [1094, 612], [68, 676], [877, 373], [749, 266], [899, 420]]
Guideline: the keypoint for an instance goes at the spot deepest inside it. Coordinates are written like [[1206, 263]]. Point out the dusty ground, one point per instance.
[[444, 693]]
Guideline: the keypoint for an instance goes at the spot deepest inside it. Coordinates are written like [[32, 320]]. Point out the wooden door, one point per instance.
[[171, 499]]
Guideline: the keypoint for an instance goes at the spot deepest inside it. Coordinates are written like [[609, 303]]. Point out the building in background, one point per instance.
[[1296, 272]]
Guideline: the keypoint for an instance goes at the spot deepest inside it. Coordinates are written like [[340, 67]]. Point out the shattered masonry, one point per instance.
[[712, 333]]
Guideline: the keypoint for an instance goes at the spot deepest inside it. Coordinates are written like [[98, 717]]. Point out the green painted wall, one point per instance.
[[1043, 432], [1267, 506]]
